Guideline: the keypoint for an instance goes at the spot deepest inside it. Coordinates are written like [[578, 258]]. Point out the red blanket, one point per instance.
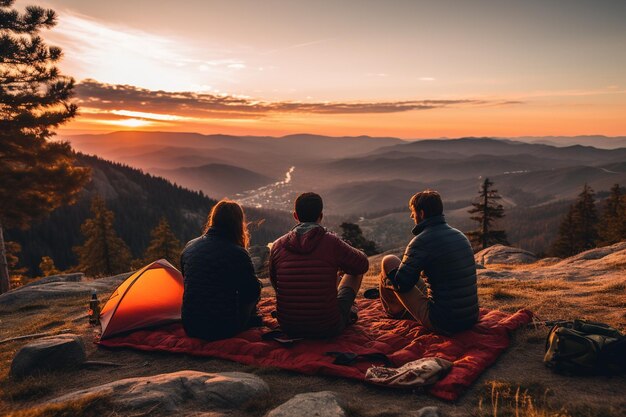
[[402, 341]]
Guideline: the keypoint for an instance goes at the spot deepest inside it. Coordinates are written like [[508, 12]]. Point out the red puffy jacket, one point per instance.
[[303, 270]]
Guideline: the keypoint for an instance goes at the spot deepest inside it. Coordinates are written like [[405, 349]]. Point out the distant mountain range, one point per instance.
[[361, 176], [222, 165], [597, 141]]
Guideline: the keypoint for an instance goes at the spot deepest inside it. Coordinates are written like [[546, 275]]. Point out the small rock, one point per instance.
[[59, 352], [318, 404], [199, 391], [428, 412]]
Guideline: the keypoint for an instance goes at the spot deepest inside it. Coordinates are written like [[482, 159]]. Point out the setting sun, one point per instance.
[[127, 122]]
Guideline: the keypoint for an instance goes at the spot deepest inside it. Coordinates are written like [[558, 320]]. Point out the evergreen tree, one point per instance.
[[566, 243], [486, 211], [47, 267], [16, 273], [37, 175], [578, 231], [164, 245], [103, 253], [586, 220], [613, 224], [353, 234]]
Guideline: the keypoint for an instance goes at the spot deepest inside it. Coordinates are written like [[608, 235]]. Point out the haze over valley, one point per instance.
[[369, 179]]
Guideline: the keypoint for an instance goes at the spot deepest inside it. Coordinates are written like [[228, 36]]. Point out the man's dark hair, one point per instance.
[[309, 207], [429, 201]]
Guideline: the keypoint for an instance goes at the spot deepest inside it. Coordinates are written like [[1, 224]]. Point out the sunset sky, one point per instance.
[[409, 69]]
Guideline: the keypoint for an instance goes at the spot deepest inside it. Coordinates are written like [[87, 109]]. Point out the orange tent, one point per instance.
[[151, 296]]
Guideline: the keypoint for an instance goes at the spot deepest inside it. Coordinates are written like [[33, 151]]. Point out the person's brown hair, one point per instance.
[[429, 201], [309, 207], [230, 219]]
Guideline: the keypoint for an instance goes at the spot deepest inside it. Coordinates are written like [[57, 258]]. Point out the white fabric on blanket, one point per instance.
[[424, 371]]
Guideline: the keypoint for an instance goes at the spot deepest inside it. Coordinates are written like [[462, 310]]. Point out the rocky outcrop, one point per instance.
[[607, 255], [76, 277], [500, 254], [59, 286], [606, 264], [61, 352], [173, 392], [319, 404]]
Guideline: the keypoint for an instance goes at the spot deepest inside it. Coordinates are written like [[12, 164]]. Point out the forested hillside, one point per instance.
[[138, 200]]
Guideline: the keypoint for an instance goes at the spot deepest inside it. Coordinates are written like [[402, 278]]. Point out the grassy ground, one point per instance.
[[517, 385]]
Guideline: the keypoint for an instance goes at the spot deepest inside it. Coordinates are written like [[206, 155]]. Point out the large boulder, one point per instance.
[[54, 353], [195, 390], [500, 254], [318, 404]]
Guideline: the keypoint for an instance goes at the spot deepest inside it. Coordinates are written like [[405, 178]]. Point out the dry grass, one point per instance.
[[93, 406], [616, 287], [29, 388], [532, 400], [37, 318], [557, 299]]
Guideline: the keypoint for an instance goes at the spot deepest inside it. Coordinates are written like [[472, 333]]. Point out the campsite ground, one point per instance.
[[518, 384]]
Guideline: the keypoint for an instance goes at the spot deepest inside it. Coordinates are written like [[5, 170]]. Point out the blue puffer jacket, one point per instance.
[[219, 279], [446, 258]]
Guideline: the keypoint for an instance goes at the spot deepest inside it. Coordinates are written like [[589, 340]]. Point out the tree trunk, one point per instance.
[[5, 283], [484, 228]]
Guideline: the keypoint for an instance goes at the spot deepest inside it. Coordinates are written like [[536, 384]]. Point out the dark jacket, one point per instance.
[[219, 280], [446, 258], [303, 269]]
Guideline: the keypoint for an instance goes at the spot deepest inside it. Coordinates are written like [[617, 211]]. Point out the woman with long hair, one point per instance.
[[221, 288]]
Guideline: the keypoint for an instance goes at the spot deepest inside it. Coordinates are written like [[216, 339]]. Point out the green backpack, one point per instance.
[[585, 347]]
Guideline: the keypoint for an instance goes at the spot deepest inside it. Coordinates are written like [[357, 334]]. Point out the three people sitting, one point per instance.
[[316, 275]]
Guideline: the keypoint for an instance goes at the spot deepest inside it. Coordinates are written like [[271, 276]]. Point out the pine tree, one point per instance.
[[487, 210], [37, 175], [164, 244], [353, 234], [47, 267], [613, 223], [578, 231], [17, 274], [566, 243], [586, 220], [103, 253]]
